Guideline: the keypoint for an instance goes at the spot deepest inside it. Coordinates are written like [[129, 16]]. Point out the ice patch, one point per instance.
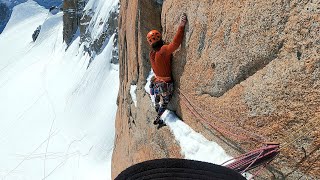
[[133, 89], [147, 86]]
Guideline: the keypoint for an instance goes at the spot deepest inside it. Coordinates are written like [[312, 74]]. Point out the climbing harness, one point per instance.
[[162, 88]]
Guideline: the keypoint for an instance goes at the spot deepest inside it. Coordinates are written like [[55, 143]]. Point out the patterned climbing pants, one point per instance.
[[163, 94]]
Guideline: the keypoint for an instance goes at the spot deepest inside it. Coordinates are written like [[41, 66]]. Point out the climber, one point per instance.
[[160, 59]]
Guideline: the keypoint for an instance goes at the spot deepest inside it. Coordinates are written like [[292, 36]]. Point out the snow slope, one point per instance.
[[57, 116], [101, 9], [45, 3], [11, 3]]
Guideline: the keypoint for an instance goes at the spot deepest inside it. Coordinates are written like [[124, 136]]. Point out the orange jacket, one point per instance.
[[161, 60]]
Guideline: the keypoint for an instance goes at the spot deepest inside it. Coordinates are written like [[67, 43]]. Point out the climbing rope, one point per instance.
[[220, 125], [253, 159], [258, 157], [245, 162], [295, 136], [216, 126]]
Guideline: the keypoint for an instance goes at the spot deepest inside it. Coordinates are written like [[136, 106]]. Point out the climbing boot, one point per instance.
[[157, 121]]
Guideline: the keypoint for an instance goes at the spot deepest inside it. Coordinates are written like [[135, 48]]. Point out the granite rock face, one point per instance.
[[72, 13], [250, 66], [137, 139]]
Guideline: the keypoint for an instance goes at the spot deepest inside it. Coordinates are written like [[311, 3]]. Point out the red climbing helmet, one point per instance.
[[153, 36]]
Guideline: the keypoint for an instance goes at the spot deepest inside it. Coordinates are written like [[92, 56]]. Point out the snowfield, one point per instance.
[[57, 116]]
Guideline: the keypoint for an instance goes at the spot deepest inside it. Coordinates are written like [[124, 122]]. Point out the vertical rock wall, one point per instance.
[[72, 13], [251, 66], [254, 64], [137, 139]]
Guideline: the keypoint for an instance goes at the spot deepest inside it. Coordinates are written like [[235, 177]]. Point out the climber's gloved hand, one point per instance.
[[183, 19]]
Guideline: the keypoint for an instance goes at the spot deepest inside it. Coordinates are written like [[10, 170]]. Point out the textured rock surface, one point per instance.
[[4, 15], [72, 13], [137, 139], [254, 64], [109, 27]]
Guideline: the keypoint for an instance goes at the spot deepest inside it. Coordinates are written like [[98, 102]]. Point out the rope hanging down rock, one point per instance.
[[220, 125], [255, 158]]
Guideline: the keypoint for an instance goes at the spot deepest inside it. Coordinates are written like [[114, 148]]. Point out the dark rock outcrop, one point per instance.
[[4, 15], [4, 12], [109, 28], [73, 11], [36, 33]]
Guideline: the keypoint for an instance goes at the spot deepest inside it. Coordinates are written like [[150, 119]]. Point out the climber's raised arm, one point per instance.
[[177, 40]]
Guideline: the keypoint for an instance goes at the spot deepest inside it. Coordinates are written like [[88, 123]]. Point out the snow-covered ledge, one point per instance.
[[194, 145]]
